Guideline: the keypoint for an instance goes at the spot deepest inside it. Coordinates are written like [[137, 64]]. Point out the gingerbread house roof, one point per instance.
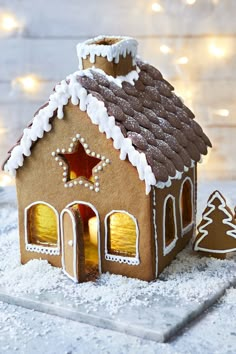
[[148, 123]]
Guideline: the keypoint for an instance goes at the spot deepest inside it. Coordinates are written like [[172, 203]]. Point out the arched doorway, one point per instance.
[[80, 241]]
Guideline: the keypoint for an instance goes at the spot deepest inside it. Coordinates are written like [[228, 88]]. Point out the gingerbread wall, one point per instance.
[[182, 239], [40, 179]]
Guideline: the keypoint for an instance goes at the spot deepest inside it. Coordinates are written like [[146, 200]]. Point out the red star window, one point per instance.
[[80, 165]]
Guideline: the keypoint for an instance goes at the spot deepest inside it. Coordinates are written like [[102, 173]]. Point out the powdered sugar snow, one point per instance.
[[189, 277]]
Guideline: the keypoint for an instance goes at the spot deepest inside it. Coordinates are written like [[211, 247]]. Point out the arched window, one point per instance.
[[169, 225], [41, 223], [121, 237], [186, 204]]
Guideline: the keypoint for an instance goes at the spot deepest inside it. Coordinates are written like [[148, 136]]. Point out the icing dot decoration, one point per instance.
[[69, 177]]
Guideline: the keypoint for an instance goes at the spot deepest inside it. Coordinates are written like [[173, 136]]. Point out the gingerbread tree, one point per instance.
[[217, 230]]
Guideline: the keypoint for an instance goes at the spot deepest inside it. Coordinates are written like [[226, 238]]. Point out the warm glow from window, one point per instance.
[[121, 234], [165, 49], [93, 230], [217, 52], [42, 225], [182, 60], [9, 23], [156, 7]]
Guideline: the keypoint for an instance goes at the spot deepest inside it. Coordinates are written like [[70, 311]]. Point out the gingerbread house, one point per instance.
[[106, 170]]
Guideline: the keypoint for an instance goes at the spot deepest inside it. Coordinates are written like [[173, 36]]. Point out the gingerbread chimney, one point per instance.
[[114, 55]]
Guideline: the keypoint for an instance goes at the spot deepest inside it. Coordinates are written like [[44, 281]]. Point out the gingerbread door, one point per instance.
[[72, 244]]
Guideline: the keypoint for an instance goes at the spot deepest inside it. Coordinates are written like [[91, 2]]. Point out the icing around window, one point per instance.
[[186, 205], [121, 237], [42, 228], [169, 225], [80, 165]]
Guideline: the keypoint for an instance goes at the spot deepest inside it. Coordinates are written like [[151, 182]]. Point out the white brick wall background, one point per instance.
[[44, 46]]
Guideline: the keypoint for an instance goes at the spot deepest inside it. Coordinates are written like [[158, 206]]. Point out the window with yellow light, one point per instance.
[[42, 225], [121, 234]]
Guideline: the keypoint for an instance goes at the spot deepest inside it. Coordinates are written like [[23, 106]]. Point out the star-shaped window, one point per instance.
[[81, 166]]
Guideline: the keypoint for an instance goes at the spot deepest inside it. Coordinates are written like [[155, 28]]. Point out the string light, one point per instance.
[[165, 49], [156, 7], [182, 60], [27, 83], [190, 2], [3, 131], [223, 112], [5, 180], [9, 23], [216, 51]]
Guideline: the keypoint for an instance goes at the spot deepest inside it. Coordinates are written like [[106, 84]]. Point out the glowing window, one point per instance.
[[121, 234], [80, 164], [186, 206], [42, 225]]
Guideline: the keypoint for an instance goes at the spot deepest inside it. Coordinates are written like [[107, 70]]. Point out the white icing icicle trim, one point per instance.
[[122, 47], [96, 111], [178, 175], [131, 77]]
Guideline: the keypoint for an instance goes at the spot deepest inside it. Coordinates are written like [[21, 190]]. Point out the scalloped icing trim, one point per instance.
[[122, 259], [52, 251]]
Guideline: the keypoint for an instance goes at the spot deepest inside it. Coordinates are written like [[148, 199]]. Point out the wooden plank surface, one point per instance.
[[206, 98], [219, 164], [45, 47], [54, 59], [133, 17]]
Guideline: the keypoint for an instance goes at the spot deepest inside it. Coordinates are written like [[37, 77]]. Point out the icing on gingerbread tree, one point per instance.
[[217, 230]]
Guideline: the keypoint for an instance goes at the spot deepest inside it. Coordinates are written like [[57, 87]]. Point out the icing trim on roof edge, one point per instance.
[[122, 47], [97, 112]]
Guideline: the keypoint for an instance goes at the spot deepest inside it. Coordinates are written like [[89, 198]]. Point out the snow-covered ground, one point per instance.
[[189, 277], [25, 332]]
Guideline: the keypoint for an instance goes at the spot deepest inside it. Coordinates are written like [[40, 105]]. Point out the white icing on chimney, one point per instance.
[[122, 46]]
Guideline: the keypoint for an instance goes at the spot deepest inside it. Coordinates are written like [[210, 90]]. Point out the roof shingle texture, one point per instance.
[[154, 118]]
